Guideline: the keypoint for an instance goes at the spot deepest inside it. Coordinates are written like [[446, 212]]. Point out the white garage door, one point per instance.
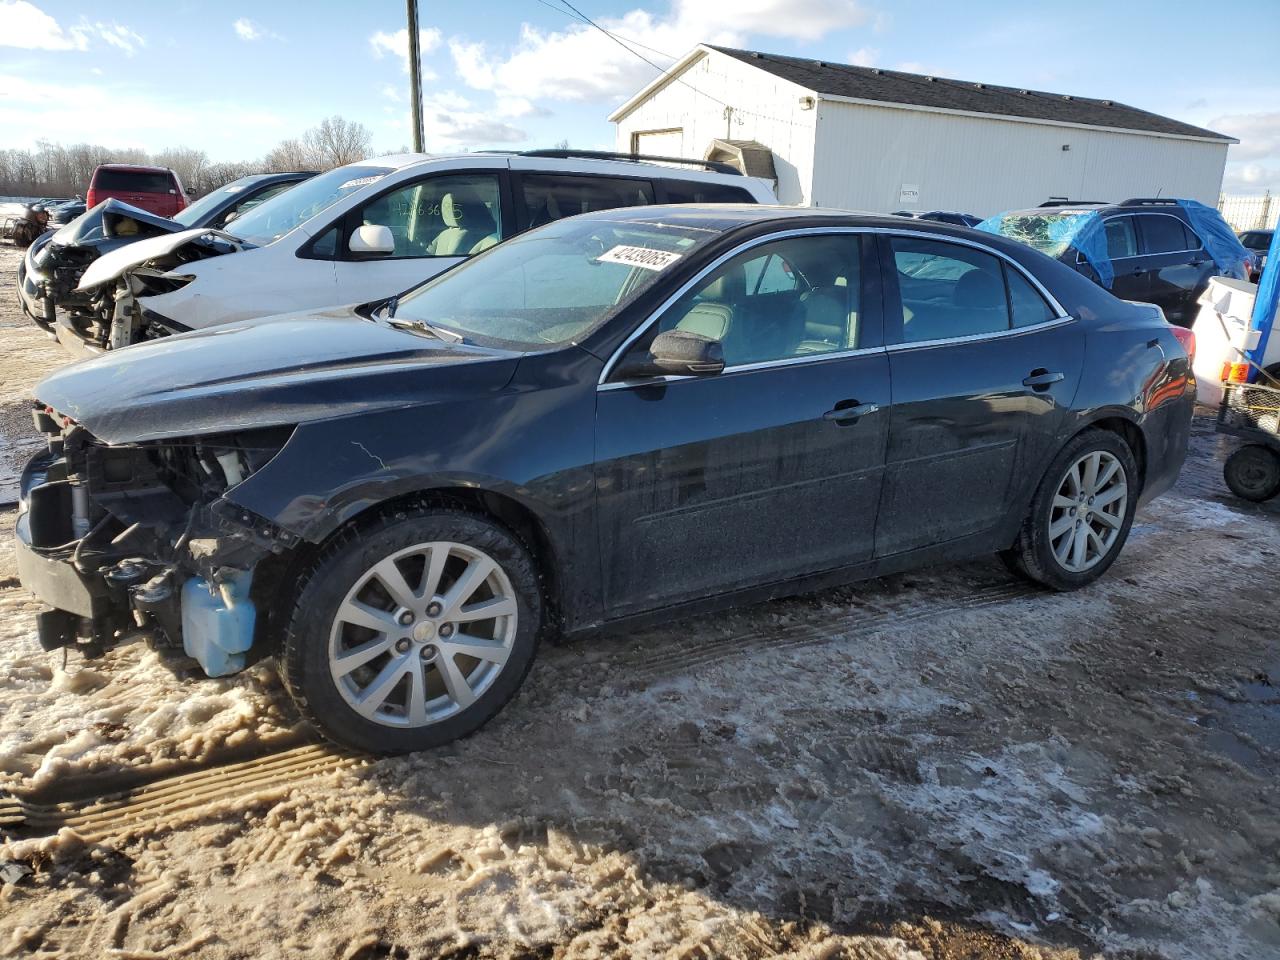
[[658, 143]]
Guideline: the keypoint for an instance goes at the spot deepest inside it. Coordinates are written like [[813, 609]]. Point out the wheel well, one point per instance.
[[1131, 434], [285, 572]]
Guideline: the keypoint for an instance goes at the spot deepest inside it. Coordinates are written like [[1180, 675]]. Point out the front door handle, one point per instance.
[[1041, 379], [847, 411]]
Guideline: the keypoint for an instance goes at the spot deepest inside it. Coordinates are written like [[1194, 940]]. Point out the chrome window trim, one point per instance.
[[747, 367], [979, 337], [1060, 314]]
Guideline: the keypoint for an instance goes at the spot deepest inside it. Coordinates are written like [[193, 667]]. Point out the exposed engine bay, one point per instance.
[[138, 537]]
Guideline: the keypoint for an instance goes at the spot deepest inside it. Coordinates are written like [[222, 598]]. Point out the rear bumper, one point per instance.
[[1167, 432]]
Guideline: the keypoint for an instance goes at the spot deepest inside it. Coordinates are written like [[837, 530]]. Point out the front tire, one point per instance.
[[413, 630], [1080, 515]]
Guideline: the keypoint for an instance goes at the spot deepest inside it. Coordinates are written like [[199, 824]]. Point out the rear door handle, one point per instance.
[[847, 411], [1042, 379]]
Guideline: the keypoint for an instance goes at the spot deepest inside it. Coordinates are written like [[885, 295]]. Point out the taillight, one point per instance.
[[1188, 341]]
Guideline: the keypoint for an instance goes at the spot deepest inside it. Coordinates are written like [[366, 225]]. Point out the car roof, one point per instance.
[[136, 167], [728, 216], [618, 166]]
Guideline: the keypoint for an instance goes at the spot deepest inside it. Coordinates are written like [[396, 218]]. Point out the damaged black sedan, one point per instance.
[[623, 416]]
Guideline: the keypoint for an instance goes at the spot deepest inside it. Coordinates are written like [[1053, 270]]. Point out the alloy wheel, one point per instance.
[[422, 634], [1088, 511]]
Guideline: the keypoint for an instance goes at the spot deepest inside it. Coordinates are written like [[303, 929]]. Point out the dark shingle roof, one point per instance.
[[891, 86]]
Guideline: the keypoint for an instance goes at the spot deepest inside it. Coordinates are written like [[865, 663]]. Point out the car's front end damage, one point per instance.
[[106, 312], [138, 537], [172, 499]]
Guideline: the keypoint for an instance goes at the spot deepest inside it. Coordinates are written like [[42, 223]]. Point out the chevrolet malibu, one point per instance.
[[621, 416]]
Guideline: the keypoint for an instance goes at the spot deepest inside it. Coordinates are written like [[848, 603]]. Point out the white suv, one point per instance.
[[368, 231]]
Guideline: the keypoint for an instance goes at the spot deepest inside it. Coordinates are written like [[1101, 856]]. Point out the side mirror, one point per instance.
[[676, 353], [372, 238]]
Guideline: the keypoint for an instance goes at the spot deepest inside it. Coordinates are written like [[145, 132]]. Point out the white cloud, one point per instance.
[[1258, 133], [397, 44], [451, 122], [36, 109], [581, 63], [25, 25], [519, 107], [390, 92], [865, 57], [113, 34], [250, 30]]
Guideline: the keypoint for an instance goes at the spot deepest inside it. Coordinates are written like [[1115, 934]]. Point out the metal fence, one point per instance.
[[1250, 213]]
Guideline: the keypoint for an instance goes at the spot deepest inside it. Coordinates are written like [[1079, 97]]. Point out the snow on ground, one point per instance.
[[940, 764]]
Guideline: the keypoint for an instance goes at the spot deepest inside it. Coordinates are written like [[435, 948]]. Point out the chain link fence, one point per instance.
[[1250, 213]]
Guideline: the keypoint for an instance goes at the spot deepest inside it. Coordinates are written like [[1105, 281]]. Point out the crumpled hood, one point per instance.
[[269, 372]]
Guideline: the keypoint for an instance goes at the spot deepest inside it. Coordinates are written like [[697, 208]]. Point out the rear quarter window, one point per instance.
[[135, 181], [684, 191]]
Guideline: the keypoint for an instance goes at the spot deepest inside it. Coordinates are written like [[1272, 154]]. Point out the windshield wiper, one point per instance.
[[450, 336]]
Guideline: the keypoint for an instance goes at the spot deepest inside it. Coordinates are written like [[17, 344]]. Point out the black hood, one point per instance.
[[113, 223], [270, 372]]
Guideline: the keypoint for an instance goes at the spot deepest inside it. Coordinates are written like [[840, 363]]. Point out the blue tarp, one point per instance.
[[1054, 230], [1264, 305], [1220, 241]]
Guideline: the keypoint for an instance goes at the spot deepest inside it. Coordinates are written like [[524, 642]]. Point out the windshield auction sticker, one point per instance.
[[639, 257]]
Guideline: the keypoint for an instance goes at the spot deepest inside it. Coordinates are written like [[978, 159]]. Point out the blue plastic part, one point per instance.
[[1220, 241], [217, 622], [1053, 231], [1265, 304]]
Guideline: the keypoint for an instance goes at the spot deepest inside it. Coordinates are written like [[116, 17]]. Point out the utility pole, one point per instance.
[[415, 78]]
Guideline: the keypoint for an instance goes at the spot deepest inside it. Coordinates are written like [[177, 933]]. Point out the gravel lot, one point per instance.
[[944, 764]]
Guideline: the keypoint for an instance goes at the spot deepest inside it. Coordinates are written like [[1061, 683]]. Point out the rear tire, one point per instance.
[[412, 630], [1080, 515], [1253, 473]]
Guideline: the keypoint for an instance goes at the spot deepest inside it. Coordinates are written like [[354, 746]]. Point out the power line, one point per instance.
[[630, 40], [578, 14]]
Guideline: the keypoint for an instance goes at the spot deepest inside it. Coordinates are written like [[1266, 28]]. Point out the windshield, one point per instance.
[[277, 216], [1050, 233], [192, 215], [552, 285]]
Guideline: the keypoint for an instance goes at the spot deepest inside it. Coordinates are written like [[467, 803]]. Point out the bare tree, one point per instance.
[[288, 155], [188, 163], [337, 141], [55, 170]]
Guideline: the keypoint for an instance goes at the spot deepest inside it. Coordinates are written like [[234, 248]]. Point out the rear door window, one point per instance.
[[549, 197], [948, 290], [1122, 241], [134, 181], [1162, 234], [1028, 307], [687, 191]]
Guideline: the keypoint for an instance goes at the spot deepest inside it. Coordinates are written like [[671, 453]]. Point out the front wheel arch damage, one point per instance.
[[277, 579]]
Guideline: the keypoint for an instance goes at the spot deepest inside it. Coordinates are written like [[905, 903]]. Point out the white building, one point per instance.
[[868, 139]]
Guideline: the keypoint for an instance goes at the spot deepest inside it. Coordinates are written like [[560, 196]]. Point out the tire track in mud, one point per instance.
[[151, 807], [680, 657]]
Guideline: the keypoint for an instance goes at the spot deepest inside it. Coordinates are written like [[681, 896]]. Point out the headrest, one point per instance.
[[453, 211], [708, 319], [979, 289], [729, 287]]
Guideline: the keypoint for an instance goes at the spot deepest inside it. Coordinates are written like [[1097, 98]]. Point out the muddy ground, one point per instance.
[[944, 764]]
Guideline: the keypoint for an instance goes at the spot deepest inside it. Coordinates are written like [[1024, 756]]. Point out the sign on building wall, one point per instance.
[[910, 193]]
